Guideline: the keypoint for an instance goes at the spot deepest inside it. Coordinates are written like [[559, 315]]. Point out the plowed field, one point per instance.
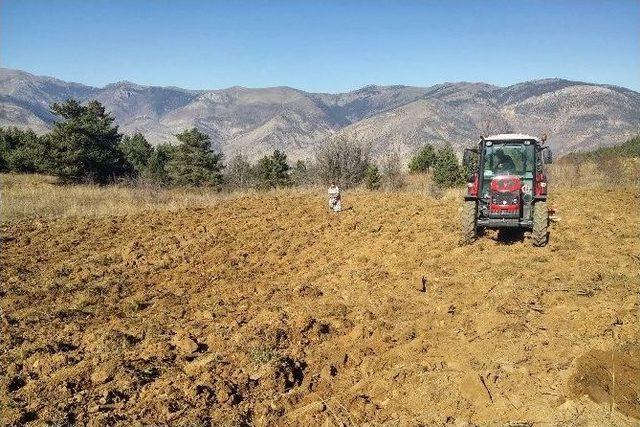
[[273, 311]]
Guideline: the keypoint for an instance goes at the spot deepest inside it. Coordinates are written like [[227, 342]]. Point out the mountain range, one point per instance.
[[575, 115]]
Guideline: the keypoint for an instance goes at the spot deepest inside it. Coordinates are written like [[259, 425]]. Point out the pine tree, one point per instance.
[[84, 144], [21, 151], [280, 169], [193, 163], [372, 178], [423, 160], [264, 173], [156, 169], [273, 171], [137, 152], [447, 171], [301, 174]]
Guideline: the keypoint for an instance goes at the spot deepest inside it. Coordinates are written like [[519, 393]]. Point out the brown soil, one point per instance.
[[274, 311]]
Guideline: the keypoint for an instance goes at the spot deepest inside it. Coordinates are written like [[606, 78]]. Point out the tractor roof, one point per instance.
[[511, 137]]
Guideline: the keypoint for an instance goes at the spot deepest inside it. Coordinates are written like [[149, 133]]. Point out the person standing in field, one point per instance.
[[334, 197]]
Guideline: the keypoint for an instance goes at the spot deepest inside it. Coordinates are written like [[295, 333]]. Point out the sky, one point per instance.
[[322, 45]]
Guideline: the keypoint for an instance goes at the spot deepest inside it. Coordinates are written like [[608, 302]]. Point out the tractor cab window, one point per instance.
[[509, 159]]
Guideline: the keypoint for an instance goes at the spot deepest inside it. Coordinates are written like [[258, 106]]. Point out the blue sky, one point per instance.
[[328, 46]]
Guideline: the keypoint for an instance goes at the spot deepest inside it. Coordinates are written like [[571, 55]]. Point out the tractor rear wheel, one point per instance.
[[469, 228], [540, 233]]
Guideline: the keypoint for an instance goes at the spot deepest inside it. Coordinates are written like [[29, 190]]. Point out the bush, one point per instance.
[[447, 171], [423, 160], [372, 178], [239, 173], [392, 171], [342, 161], [193, 163]]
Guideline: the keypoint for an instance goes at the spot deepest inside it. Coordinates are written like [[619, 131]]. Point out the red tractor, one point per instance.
[[507, 187]]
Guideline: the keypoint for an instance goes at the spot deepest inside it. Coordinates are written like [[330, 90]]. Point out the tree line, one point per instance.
[[629, 148], [85, 146]]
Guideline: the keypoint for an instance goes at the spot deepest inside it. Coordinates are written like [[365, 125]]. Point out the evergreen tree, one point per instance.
[[4, 152], [280, 169], [301, 174], [193, 163], [137, 152], [264, 172], [447, 171], [372, 178], [156, 169], [21, 151], [423, 160], [273, 171], [84, 144]]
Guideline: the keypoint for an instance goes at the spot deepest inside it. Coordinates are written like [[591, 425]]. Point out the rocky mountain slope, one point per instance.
[[576, 115]]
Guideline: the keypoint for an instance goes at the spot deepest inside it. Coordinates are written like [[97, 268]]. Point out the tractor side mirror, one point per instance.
[[547, 155]]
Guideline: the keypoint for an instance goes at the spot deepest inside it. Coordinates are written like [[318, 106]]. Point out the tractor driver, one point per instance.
[[504, 162]]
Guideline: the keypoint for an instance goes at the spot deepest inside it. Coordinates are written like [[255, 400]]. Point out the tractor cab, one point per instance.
[[506, 184]]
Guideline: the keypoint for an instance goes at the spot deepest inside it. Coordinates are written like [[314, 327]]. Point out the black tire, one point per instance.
[[469, 228], [540, 233]]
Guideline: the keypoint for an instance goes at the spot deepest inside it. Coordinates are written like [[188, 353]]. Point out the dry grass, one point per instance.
[[606, 172], [39, 195], [25, 196]]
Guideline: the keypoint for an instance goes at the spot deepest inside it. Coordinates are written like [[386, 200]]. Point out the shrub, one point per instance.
[[239, 173], [372, 178], [342, 161], [447, 171], [392, 170], [423, 160]]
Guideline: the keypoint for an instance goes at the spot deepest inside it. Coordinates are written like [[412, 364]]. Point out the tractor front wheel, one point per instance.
[[540, 233], [469, 228]]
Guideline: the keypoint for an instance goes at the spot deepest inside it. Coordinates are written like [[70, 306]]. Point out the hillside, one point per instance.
[[576, 115], [629, 148], [269, 310]]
